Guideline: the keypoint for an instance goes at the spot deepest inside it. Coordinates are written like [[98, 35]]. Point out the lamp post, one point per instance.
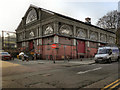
[[8, 41], [64, 53], [53, 48], [2, 40]]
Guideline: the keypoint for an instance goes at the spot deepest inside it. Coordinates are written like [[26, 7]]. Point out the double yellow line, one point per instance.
[[112, 85]]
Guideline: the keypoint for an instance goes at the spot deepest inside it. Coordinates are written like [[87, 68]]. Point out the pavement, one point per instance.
[[84, 61]]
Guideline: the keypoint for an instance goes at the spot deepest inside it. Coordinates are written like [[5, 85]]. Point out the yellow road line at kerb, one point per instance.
[[115, 85], [111, 84]]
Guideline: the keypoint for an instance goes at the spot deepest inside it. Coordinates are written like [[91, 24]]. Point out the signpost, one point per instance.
[[64, 53], [53, 46]]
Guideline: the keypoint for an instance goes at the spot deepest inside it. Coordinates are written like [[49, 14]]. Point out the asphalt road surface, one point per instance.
[[44, 75]]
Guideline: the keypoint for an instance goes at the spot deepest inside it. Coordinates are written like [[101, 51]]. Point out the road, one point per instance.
[[18, 74]]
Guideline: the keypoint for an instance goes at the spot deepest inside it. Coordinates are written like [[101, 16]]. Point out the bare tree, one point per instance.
[[108, 21], [118, 31]]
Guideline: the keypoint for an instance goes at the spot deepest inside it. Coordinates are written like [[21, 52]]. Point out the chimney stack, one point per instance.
[[88, 20]]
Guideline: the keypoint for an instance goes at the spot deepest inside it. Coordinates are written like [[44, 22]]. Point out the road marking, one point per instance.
[[82, 72], [111, 83], [115, 85], [109, 86]]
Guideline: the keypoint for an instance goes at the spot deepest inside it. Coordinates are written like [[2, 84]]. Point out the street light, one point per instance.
[[2, 40], [8, 40]]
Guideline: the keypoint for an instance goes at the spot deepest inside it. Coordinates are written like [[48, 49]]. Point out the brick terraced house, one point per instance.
[[40, 28]]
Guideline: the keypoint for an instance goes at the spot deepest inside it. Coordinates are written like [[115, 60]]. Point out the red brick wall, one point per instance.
[[48, 40], [39, 49], [92, 49], [46, 48], [30, 45], [92, 52], [70, 50], [58, 53], [64, 40], [46, 51], [64, 51]]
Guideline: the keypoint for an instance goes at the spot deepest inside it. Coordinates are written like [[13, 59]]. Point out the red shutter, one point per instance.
[[81, 46]]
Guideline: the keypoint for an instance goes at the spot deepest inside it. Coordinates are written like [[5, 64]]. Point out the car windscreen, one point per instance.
[[103, 51]]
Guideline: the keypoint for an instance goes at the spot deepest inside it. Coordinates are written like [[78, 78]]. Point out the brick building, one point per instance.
[[40, 28]]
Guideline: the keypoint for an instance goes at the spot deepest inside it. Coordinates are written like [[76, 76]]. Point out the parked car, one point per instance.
[[107, 54], [5, 56]]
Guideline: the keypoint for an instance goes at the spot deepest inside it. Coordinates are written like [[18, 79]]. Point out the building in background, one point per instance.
[[9, 41], [39, 29]]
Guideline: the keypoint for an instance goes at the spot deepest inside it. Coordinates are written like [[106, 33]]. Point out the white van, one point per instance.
[[107, 54]]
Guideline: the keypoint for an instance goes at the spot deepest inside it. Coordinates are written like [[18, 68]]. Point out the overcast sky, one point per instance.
[[12, 11]]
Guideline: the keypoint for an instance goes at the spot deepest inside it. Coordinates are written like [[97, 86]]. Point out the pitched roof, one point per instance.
[[73, 19], [67, 17]]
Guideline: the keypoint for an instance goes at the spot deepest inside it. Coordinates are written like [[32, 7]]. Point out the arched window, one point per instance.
[[111, 39], [32, 16], [32, 34], [65, 29], [103, 37], [81, 33], [48, 30], [93, 36]]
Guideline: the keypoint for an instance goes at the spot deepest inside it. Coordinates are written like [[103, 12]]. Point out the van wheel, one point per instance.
[[118, 59], [96, 61]]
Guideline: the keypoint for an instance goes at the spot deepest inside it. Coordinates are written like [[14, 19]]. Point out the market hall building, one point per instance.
[[39, 29]]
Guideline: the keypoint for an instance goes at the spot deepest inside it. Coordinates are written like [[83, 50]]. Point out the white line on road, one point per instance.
[[82, 72]]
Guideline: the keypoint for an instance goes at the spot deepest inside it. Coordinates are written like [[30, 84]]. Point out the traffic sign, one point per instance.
[[53, 45]]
